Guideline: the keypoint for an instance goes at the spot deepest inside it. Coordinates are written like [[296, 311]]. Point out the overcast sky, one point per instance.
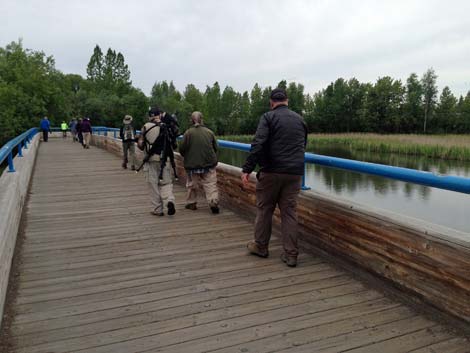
[[239, 43]]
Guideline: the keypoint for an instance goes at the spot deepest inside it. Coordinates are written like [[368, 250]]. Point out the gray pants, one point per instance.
[[160, 191], [283, 190], [128, 147]]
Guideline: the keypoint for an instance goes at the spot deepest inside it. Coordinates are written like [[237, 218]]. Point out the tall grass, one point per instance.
[[455, 147]]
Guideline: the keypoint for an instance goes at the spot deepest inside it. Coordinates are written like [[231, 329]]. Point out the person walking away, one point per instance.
[[278, 148], [79, 131], [86, 132], [199, 149], [127, 134], [73, 129], [63, 128], [45, 127], [152, 142]]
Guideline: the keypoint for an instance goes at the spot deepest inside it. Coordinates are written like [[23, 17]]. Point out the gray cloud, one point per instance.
[[239, 43]]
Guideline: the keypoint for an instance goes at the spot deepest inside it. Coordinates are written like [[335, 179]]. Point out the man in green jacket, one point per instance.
[[63, 128], [199, 149]]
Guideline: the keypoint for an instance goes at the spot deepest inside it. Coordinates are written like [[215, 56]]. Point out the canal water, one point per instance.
[[445, 208]]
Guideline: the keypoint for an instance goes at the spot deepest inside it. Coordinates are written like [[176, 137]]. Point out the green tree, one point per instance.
[[413, 113], [446, 112], [192, 100], [384, 101], [428, 81], [95, 67], [463, 114], [30, 87], [212, 111], [295, 92], [282, 84], [245, 113], [166, 97], [309, 114], [229, 120]]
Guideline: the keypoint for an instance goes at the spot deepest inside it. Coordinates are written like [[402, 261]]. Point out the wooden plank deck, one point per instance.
[[98, 273]]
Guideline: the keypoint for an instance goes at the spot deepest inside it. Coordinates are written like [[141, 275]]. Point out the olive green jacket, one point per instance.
[[199, 148]]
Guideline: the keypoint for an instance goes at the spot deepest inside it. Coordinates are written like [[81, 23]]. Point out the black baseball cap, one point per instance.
[[154, 111], [278, 94]]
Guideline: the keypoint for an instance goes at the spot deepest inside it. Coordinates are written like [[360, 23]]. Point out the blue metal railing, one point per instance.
[[20, 142], [446, 182]]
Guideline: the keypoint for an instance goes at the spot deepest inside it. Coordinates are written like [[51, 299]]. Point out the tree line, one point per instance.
[[31, 87]]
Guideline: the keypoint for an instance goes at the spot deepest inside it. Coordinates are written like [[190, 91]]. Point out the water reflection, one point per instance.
[[437, 206]]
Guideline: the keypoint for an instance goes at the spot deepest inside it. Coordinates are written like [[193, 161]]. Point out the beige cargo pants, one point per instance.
[[208, 182], [161, 192]]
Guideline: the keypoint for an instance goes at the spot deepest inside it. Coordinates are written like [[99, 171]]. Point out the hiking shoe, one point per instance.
[[155, 213], [191, 206], [171, 208], [290, 261], [255, 249], [215, 209]]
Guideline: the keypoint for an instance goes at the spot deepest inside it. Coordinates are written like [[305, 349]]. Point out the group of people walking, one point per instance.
[[157, 140], [80, 129], [278, 149]]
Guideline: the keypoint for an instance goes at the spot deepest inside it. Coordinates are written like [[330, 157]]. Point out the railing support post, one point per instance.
[[11, 167], [20, 150], [304, 187], [115, 136]]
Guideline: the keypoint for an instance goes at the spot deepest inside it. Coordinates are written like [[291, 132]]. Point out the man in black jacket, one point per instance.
[[278, 148]]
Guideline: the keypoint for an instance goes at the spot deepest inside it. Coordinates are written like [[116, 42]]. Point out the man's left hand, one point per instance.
[[245, 178]]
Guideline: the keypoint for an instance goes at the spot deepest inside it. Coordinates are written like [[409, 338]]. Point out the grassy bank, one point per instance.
[[434, 146]]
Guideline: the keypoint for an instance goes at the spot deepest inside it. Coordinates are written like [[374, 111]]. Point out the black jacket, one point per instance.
[[279, 143]]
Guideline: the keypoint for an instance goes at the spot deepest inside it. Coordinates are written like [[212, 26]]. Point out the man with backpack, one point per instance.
[[127, 133], [152, 141]]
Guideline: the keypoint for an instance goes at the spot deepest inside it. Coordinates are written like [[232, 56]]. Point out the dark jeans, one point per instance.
[[80, 137], [45, 135], [283, 190]]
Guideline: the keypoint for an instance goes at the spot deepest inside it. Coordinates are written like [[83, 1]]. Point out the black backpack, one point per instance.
[[128, 132], [171, 128]]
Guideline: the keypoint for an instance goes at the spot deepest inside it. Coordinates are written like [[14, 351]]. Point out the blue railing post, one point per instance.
[[25, 143], [115, 135], [305, 187], [20, 152], [11, 167]]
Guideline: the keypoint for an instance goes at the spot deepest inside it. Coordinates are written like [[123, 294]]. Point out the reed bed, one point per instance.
[[456, 147]]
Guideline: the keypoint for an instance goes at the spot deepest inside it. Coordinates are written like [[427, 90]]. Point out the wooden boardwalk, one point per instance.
[[98, 273]]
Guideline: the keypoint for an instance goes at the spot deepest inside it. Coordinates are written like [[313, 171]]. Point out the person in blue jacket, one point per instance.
[[46, 128]]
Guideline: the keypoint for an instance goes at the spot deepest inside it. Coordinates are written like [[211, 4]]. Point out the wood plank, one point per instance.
[[329, 299], [99, 274]]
